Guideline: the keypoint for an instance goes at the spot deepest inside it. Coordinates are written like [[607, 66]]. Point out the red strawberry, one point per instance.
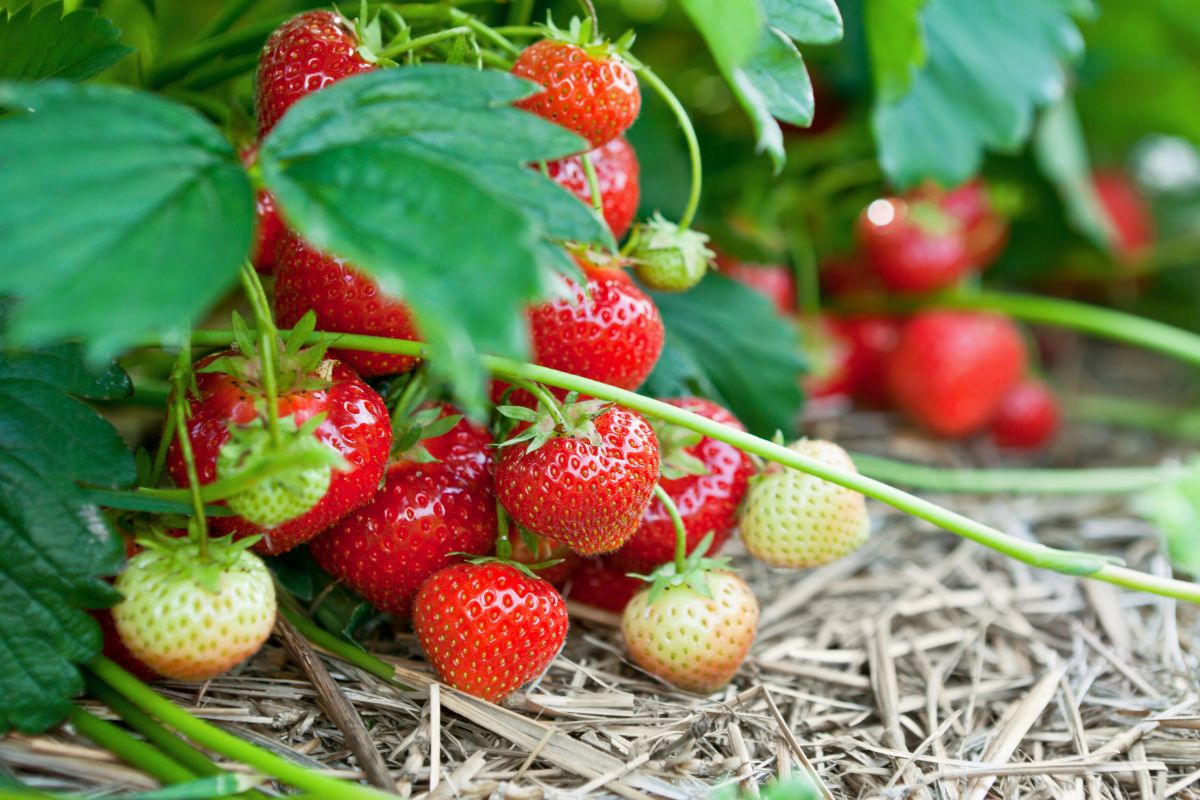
[[849, 276], [704, 477], [268, 228], [489, 629], [613, 333], [356, 426], [600, 583], [1128, 212], [588, 90], [986, 230], [424, 512], [617, 175], [531, 550], [585, 485], [951, 369], [304, 54], [870, 341], [1028, 416], [828, 355], [775, 281], [913, 246], [344, 300]]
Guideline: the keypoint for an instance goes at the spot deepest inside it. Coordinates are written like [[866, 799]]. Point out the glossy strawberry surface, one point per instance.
[[1128, 211], [600, 583], [345, 300], [913, 246], [1028, 417], [617, 175], [268, 227]]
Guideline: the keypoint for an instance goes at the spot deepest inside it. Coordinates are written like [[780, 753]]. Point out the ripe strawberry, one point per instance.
[[585, 485], [793, 519], [870, 341], [775, 281], [190, 618], [849, 276], [617, 174], [600, 583], [704, 477], [344, 300], [694, 642], [986, 231], [304, 54], [355, 425], [268, 228], [612, 333], [530, 549], [913, 246], [1027, 418], [951, 369], [587, 89], [424, 512], [1128, 212], [489, 629]]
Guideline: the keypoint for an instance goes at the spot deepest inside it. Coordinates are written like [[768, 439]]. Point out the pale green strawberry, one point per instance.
[[192, 617], [667, 257], [793, 519], [694, 642]]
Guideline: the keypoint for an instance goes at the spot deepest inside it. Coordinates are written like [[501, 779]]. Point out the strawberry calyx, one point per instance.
[[200, 562], [368, 32], [298, 367], [574, 419], [415, 429], [674, 442], [582, 34], [529, 570], [930, 218], [692, 575]]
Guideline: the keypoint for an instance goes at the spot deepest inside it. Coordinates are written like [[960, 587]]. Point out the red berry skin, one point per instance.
[[546, 550], [599, 583], [595, 97], [356, 425], [613, 334], [1028, 417], [705, 502], [268, 227], [487, 629], [618, 176], [908, 257], [849, 276], [344, 300], [870, 341], [828, 355], [590, 498], [774, 281], [1128, 212], [304, 54], [986, 231], [951, 369]]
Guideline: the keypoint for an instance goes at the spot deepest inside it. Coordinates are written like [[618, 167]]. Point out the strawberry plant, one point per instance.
[[445, 316]]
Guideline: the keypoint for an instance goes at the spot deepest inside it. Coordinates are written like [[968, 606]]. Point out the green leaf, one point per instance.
[[777, 72], [1062, 157], [121, 214], [730, 28], [768, 134], [989, 65], [1174, 508], [726, 342], [55, 543], [419, 175], [806, 21], [896, 45], [46, 44]]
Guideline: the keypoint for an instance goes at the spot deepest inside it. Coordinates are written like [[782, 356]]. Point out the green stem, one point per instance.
[[589, 171], [268, 346], [808, 280], [182, 379], [589, 8], [1175, 421], [458, 17], [344, 650], [224, 488], [140, 501], [132, 751], [424, 41], [1032, 553], [520, 12], [410, 396], [689, 135], [230, 12], [243, 40], [545, 400], [215, 74], [1115, 480], [677, 523], [228, 745], [503, 544]]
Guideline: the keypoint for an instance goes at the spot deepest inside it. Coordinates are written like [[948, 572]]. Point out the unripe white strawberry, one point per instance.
[[192, 617], [793, 519], [691, 641]]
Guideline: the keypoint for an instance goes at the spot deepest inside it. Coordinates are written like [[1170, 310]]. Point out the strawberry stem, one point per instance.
[[229, 13], [545, 400], [520, 12], [268, 347], [1032, 553], [689, 135], [425, 41], [589, 8], [1115, 480], [132, 751], [677, 523], [1178, 422], [181, 377], [589, 171], [244, 40], [410, 396], [503, 544], [347, 651]]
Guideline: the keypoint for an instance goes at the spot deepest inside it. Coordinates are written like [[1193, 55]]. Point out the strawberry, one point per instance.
[[1128, 212], [583, 481], [669, 258], [951, 369], [617, 174], [587, 88], [1027, 418], [828, 355], [705, 478], [600, 583], [793, 519], [425, 511], [304, 54], [849, 276], [775, 281], [913, 246], [344, 300], [324, 407], [532, 550], [869, 341], [268, 228], [693, 640], [612, 333], [488, 628], [116, 650], [191, 616], [986, 231]]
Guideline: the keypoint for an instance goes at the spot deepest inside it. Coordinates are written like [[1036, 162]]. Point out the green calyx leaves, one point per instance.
[[528, 570], [667, 257], [674, 442], [202, 563], [579, 32], [416, 428], [573, 419], [692, 576], [298, 368]]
